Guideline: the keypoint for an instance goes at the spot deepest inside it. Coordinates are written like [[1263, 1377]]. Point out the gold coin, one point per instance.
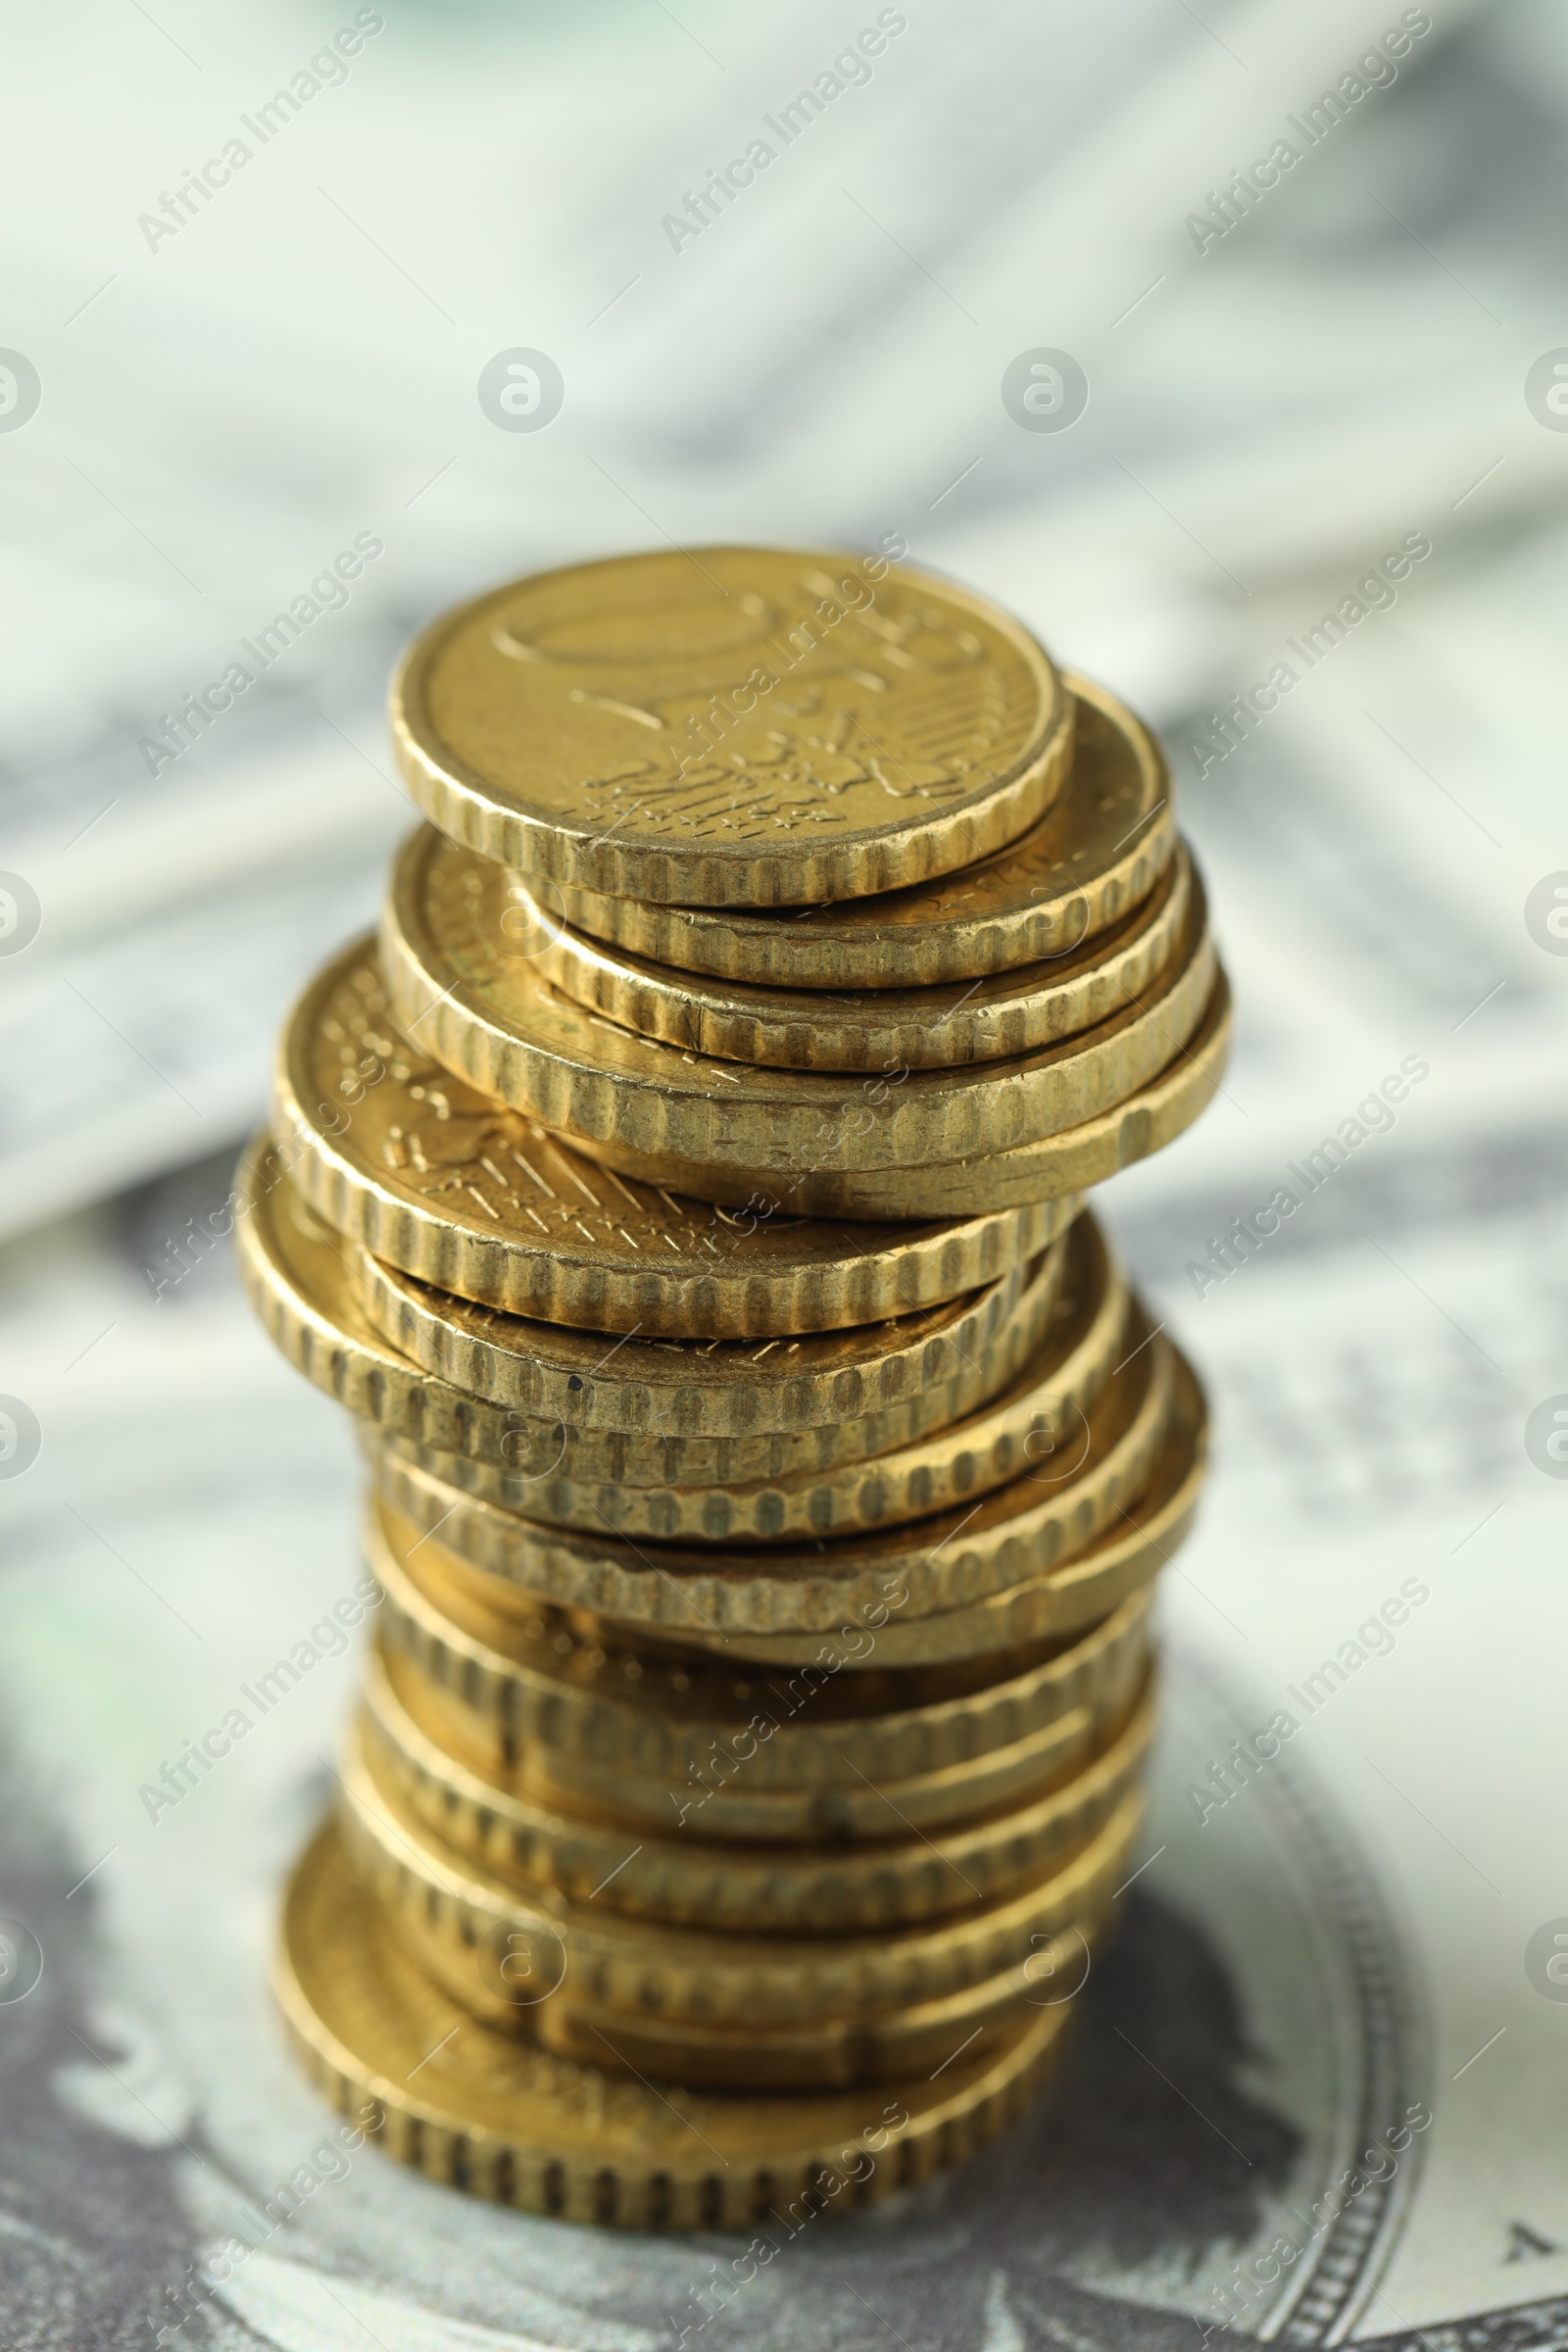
[[827, 2055], [1052, 1604], [303, 1280], [736, 726], [549, 1469], [500, 1025], [582, 1690], [738, 1811], [1096, 854], [882, 1030], [588, 1852], [1075, 1491], [1080, 1156], [643, 1967], [698, 1388], [957, 1459], [481, 2111], [455, 1188]]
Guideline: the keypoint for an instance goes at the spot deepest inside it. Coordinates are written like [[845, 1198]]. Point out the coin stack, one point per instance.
[[769, 1465]]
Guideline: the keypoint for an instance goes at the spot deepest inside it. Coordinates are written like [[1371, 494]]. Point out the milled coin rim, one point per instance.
[[865, 1578], [993, 1018], [694, 1388], [625, 1094], [732, 1298], [476, 812], [334, 1345], [555, 2146], [930, 1470], [786, 950], [1077, 1591], [586, 1853], [649, 1966], [1061, 1165], [524, 1695]]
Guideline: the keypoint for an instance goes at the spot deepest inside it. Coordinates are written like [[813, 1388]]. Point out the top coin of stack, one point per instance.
[[684, 1192]]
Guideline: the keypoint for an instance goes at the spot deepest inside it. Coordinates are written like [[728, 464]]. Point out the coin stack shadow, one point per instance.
[[750, 1752]]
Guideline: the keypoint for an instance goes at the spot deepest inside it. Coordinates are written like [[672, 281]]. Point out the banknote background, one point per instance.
[[1355, 1936]]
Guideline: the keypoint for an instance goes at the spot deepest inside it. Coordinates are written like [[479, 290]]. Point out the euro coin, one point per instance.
[[734, 1812], [479, 2110], [877, 1030], [305, 1282], [1078, 1483], [577, 1688], [827, 2055], [1069, 1162], [452, 1187], [589, 1852], [1075, 1590], [502, 1028], [731, 726], [952, 1460], [1096, 854], [646, 1967], [695, 1388]]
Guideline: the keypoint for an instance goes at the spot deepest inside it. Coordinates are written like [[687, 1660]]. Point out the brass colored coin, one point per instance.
[[499, 1024], [958, 1459], [482, 2111], [587, 1852], [737, 1812], [740, 726], [824, 2055], [643, 1967], [1049, 1606], [694, 1388], [454, 1187], [1081, 1156], [656, 1476], [302, 1279], [885, 1030], [1077, 1490], [577, 1688], [1096, 854]]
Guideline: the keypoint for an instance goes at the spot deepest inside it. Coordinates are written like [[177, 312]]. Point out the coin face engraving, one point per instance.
[[749, 704], [742, 713], [1094, 855]]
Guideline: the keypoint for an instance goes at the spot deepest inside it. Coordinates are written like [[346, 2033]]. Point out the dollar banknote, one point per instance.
[[1314, 2090], [1312, 2093]]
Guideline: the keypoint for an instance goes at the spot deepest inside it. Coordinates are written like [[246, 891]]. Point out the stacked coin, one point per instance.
[[769, 1465]]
